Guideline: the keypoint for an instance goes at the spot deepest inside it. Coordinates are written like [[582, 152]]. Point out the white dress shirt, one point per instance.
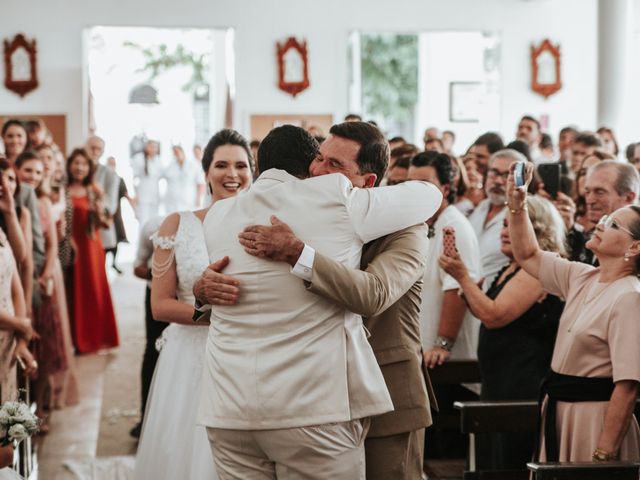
[[436, 282], [283, 357], [489, 240]]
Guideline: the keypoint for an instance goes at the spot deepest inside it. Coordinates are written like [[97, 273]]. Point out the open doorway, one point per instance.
[[171, 85]]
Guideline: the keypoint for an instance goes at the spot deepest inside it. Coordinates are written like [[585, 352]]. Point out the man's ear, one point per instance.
[[370, 180], [630, 197]]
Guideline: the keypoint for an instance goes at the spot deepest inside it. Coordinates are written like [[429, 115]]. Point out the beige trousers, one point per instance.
[[334, 450]]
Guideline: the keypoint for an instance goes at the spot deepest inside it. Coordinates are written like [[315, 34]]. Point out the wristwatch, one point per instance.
[[444, 343]]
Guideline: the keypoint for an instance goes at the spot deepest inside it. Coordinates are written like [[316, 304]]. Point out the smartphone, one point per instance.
[[449, 242], [549, 174], [518, 174]]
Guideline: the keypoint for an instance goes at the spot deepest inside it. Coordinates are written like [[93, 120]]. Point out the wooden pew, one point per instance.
[[585, 471], [495, 417], [454, 372]]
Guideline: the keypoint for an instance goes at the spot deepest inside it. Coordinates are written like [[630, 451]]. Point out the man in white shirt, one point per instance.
[[289, 376], [185, 183], [147, 171], [489, 215], [448, 328]]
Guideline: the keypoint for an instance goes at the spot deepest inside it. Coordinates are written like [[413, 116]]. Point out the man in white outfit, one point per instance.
[[290, 378]]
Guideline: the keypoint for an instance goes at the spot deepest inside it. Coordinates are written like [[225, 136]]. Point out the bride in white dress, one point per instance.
[[172, 446]]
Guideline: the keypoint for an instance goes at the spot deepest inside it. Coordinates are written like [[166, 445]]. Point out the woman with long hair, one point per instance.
[[92, 315], [47, 317], [179, 259]]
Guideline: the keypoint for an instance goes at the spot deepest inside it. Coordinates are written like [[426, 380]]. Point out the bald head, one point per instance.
[[95, 148]]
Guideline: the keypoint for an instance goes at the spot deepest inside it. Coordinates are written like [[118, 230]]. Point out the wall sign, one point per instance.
[[293, 72], [545, 68], [20, 74]]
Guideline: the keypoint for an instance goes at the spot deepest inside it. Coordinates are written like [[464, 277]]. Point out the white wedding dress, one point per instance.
[[172, 446]]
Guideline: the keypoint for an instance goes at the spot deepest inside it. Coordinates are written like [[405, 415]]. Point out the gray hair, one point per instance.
[[627, 178], [509, 153]]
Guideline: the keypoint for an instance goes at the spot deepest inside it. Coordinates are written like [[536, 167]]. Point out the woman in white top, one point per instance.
[[171, 445], [147, 171]]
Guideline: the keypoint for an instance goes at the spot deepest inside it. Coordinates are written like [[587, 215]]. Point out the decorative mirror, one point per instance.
[[20, 65], [293, 74], [545, 68]]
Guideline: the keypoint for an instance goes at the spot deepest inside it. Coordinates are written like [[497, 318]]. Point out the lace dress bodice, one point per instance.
[[191, 259]]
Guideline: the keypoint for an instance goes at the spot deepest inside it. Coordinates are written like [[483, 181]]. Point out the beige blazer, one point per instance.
[[387, 294], [283, 357]]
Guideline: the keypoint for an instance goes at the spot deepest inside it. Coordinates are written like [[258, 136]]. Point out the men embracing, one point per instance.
[[290, 379]]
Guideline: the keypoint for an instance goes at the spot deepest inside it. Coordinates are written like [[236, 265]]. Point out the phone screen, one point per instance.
[[549, 173]]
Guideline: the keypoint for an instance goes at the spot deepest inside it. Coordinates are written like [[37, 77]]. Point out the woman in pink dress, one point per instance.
[[50, 348], [591, 391], [64, 383], [93, 318]]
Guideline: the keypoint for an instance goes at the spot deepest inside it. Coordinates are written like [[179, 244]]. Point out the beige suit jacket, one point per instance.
[[387, 294], [283, 357]]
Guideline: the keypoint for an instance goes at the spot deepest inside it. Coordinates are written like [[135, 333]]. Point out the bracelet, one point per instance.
[[600, 455], [523, 207], [444, 343]]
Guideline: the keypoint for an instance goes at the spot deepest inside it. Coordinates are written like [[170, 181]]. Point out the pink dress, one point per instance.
[[8, 379], [65, 383], [49, 349], [598, 336]]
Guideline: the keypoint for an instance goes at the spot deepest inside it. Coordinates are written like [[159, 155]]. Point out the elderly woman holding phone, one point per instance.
[[591, 391], [519, 325]]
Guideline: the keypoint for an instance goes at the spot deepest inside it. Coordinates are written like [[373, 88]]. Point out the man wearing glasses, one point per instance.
[[488, 216]]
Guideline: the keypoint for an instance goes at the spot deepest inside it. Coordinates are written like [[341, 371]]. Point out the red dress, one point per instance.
[[94, 322]]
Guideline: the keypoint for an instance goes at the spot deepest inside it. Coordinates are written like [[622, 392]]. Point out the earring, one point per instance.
[[627, 256]]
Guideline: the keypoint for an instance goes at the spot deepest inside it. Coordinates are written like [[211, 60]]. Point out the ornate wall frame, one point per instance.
[[20, 74], [546, 68], [293, 69]]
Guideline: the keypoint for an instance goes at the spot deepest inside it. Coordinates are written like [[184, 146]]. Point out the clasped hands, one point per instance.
[[276, 242]]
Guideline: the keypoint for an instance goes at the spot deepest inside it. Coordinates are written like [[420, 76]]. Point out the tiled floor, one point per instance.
[[74, 431]]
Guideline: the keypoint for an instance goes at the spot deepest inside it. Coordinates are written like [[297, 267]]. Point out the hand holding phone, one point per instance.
[[449, 242], [518, 174]]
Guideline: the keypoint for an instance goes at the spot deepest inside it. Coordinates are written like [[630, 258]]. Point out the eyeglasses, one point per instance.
[[608, 222], [494, 173]]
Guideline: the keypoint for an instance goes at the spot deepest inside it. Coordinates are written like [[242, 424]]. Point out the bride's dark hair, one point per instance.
[[224, 137]]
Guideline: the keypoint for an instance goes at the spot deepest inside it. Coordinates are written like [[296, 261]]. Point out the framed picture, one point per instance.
[[465, 101], [21, 74], [293, 66], [545, 68]]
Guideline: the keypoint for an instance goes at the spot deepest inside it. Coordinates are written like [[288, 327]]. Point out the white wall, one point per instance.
[[326, 24]]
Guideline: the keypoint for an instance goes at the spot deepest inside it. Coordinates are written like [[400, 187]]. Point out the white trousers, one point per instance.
[[330, 451]]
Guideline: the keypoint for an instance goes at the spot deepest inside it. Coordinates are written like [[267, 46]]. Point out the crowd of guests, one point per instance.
[[543, 277]]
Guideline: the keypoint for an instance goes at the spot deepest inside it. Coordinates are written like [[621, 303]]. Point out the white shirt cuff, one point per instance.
[[304, 266]]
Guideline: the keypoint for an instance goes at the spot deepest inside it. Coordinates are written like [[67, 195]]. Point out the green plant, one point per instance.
[[158, 59], [389, 75]]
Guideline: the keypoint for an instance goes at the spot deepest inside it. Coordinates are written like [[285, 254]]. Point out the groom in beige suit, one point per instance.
[[387, 294], [289, 375]]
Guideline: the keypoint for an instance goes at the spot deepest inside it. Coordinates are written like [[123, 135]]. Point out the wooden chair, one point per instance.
[[585, 471], [495, 417]]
